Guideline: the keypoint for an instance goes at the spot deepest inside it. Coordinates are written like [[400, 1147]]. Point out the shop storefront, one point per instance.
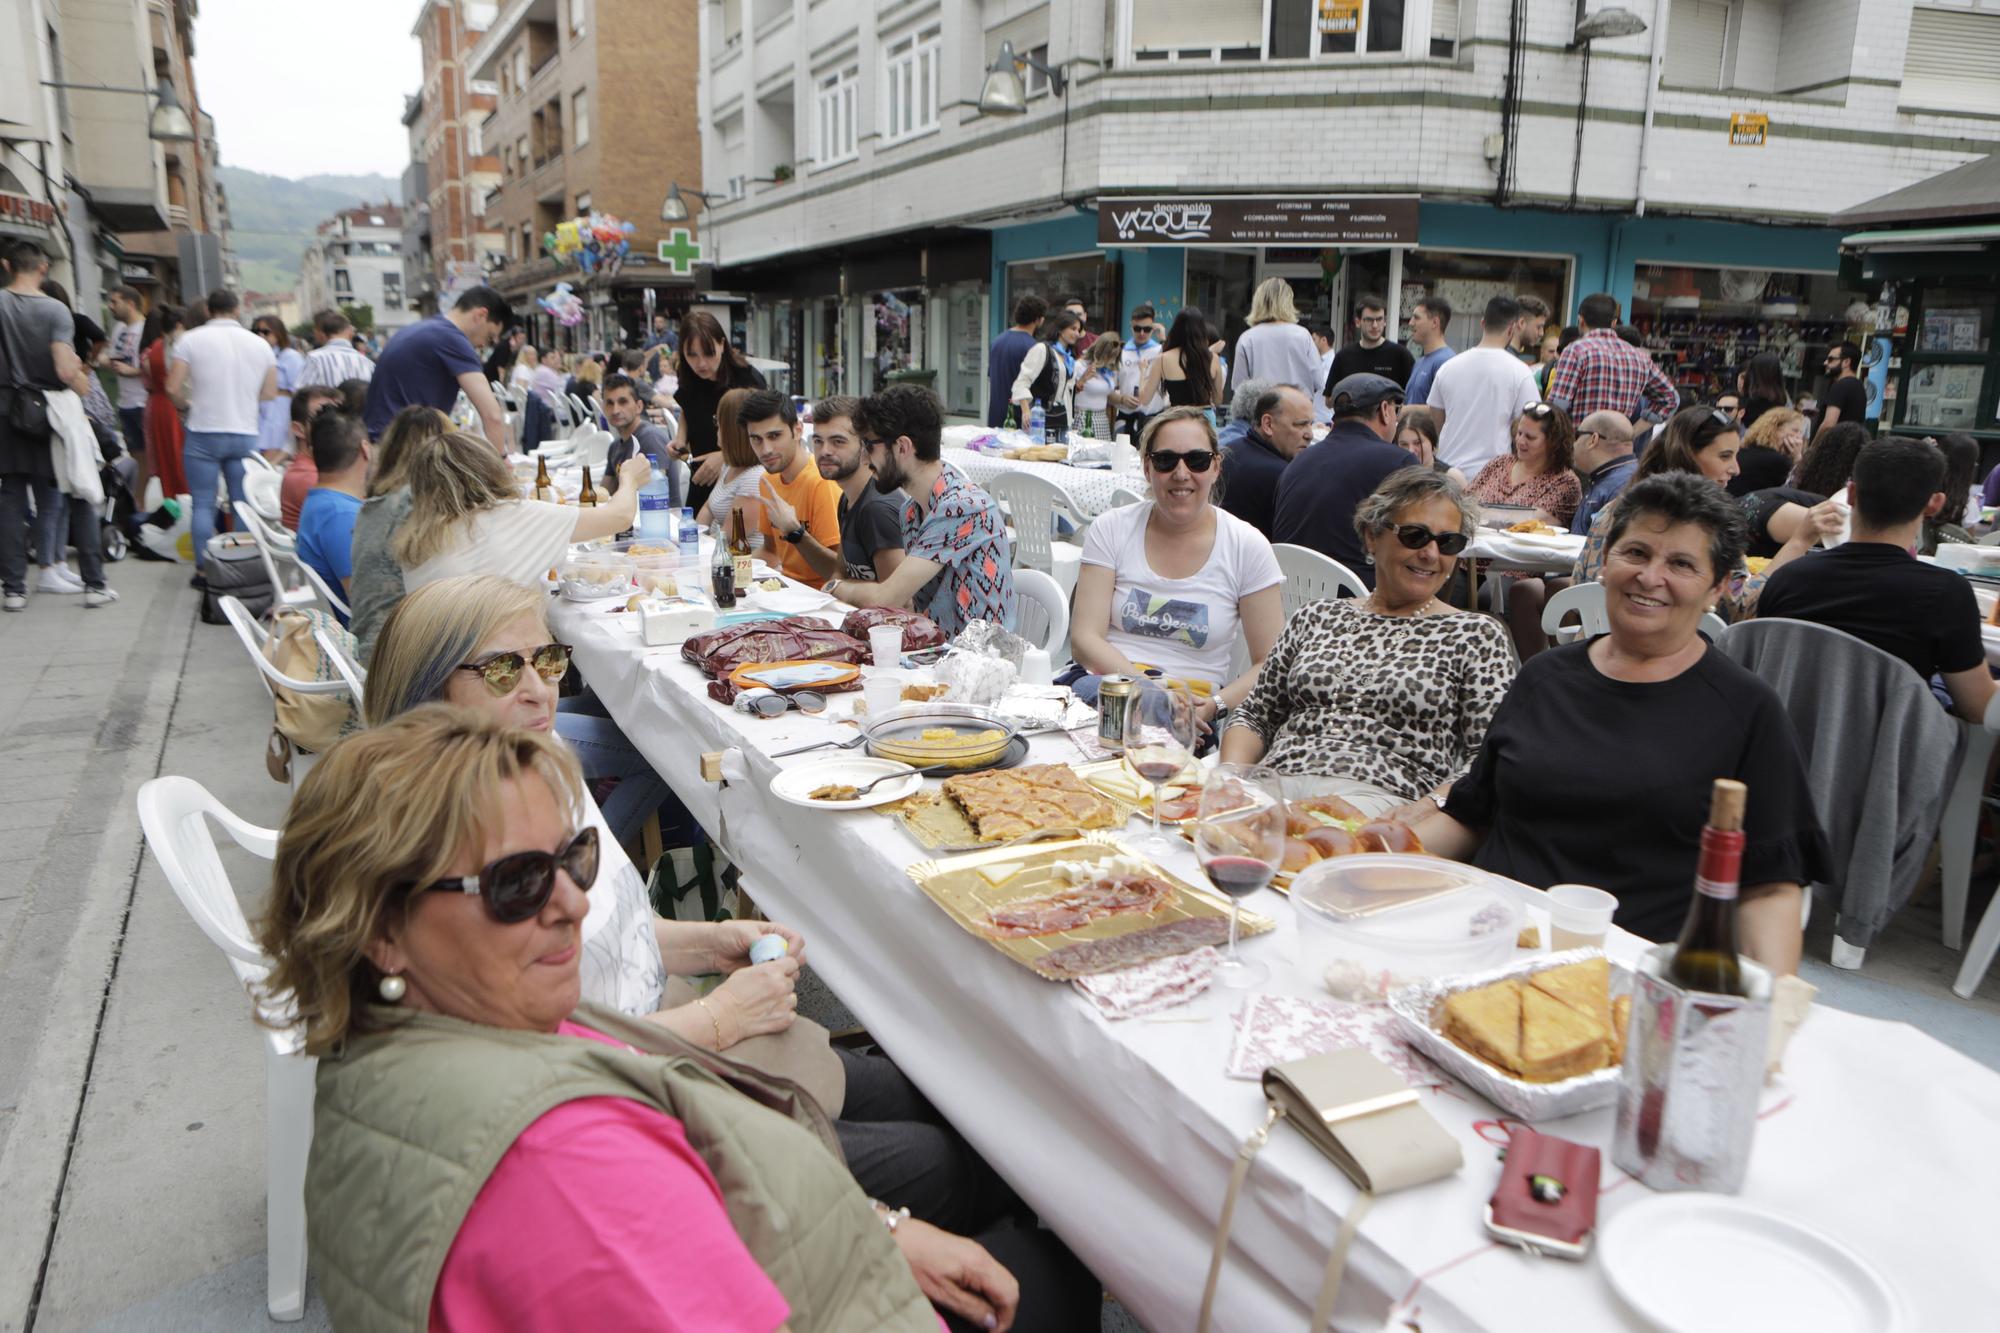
[[1702, 323]]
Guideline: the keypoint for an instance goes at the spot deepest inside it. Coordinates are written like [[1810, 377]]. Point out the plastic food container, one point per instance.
[[1368, 924], [940, 735], [589, 575]]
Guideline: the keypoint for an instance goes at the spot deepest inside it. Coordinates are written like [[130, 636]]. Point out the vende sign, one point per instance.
[[20, 208], [1242, 219]]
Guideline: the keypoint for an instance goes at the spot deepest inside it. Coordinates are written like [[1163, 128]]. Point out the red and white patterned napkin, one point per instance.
[[1277, 1029], [1148, 987]]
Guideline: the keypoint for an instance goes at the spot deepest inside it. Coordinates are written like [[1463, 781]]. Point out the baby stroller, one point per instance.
[[115, 512]]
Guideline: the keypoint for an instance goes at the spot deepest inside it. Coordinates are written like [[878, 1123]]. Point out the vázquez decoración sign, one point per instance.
[[1239, 219]]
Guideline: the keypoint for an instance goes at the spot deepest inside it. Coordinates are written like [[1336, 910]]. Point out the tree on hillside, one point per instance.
[[361, 316]]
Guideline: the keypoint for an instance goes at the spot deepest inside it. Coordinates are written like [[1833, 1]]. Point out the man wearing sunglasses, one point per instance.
[[1603, 458], [1322, 486], [1846, 397]]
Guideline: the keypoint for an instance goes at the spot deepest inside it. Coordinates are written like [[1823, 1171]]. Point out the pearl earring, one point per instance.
[[392, 988], [1369, 557]]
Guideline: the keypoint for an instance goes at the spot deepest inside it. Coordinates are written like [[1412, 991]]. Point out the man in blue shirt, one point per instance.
[[1003, 360], [326, 519], [1429, 318], [1603, 458], [428, 362], [1323, 486]]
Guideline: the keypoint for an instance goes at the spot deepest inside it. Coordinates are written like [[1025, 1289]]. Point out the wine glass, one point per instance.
[[1160, 729], [1239, 838]]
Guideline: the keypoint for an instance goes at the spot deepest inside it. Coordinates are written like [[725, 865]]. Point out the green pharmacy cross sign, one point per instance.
[[680, 251]]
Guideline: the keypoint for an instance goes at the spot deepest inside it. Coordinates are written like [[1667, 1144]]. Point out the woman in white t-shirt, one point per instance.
[[467, 515], [1173, 582]]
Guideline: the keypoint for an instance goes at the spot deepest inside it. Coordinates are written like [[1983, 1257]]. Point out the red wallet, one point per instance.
[[1546, 1201]]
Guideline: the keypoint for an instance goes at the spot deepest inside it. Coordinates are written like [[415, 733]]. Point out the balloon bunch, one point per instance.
[[564, 305], [600, 241]]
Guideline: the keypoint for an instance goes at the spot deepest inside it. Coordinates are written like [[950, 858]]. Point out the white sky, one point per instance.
[[304, 87]]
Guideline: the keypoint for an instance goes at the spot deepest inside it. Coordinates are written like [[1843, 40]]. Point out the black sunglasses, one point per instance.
[[502, 671], [519, 886], [1166, 460], [1416, 536]]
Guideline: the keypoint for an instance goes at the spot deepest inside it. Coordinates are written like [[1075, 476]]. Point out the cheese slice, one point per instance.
[[997, 875]]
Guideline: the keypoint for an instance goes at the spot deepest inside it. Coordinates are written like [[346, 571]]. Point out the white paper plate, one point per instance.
[[1751, 1270], [858, 770]]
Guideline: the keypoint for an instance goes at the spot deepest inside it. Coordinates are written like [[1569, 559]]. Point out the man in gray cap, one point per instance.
[[1322, 486]]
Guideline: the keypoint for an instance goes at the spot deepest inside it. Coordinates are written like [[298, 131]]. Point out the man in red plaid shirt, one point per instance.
[[1601, 372]]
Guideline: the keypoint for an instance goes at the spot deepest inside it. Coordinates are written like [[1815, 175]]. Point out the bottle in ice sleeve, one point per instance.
[[656, 512], [1706, 958]]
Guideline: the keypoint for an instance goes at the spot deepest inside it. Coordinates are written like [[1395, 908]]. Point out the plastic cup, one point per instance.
[[886, 643], [1036, 668], [882, 692], [1579, 916]]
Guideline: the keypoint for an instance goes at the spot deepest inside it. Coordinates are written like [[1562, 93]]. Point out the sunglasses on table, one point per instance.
[[1166, 460], [1416, 536], [502, 671], [517, 887]]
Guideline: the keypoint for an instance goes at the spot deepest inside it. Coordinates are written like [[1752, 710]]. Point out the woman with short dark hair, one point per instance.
[[1598, 765]]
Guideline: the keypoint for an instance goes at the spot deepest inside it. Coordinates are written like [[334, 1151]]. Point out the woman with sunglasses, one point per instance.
[[482, 644], [1598, 766], [490, 1153], [1388, 695], [274, 415], [1173, 582]]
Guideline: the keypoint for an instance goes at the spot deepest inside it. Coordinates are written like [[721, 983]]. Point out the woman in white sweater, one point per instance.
[[1276, 347]]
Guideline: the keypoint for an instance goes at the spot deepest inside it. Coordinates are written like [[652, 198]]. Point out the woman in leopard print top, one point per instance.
[[1391, 693]]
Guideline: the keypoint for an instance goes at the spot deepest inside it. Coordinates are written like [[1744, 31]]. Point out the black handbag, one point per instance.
[[27, 413]]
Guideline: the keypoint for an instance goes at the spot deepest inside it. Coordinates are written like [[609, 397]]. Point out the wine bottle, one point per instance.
[[1705, 958], [587, 496], [544, 488]]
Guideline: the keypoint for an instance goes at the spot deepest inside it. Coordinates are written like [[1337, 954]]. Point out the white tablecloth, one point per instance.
[[1121, 1135], [1542, 555], [1089, 489]]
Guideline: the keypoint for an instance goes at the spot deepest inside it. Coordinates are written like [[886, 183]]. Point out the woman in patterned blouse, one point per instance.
[[1389, 694], [1535, 475]]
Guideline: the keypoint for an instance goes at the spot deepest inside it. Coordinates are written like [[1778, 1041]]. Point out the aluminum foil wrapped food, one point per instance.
[[1419, 1009]]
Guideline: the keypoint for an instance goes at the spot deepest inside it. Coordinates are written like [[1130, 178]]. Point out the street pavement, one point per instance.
[[131, 1078]]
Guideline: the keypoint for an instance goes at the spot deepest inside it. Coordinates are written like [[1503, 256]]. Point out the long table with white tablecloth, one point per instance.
[[1121, 1134]]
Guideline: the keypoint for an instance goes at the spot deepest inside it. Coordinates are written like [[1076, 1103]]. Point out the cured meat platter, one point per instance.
[[1078, 906]]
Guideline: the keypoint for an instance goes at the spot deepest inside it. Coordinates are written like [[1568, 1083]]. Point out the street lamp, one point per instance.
[[1004, 93], [674, 208], [169, 122], [1613, 21]]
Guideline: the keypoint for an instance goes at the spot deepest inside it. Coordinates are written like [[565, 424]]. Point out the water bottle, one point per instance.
[[656, 513], [688, 539], [1038, 424]]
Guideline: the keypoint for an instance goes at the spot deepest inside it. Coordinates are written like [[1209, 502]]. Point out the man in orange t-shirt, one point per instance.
[[801, 520]]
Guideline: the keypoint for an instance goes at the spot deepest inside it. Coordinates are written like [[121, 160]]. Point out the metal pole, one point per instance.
[[1394, 296], [1652, 90]]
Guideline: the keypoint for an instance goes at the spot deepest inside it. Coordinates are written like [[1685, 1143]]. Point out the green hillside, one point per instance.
[[272, 218]]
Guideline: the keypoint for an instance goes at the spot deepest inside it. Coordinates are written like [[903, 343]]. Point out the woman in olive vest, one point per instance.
[[488, 1154]]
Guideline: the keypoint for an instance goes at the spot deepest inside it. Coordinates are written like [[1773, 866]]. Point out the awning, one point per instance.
[[1915, 238]]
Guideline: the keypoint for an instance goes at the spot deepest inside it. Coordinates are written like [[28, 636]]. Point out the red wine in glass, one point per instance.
[[1157, 770], [1239, 876]]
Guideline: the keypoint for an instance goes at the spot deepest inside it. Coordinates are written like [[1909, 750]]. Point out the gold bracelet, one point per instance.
[[703, 1002]]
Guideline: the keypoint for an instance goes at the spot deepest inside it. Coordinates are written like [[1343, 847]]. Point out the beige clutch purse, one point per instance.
[[1368, 1122]]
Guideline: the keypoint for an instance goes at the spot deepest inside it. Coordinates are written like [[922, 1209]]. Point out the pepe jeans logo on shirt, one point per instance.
[[1173, 222], [1153, 617]]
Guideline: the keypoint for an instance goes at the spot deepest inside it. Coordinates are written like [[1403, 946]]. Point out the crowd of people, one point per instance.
[[495, 1072]]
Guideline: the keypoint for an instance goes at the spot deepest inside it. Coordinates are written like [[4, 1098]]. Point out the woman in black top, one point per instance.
[[1598, 765], [1828, 462], [1761, 385], [1771, 448], [1961, 462], [1186, 368], [707, 366]]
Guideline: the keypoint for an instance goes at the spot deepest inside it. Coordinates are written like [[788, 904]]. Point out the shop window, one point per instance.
[[1701, 324], [1091, 276], [1953, 59], [910, 85], [1467, 280], [895, 334], [834, 102], [1198, 29], [1949, 351], [1696, 32]]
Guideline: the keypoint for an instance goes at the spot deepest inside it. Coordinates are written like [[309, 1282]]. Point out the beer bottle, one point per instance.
[[739, 543], [544, 488], [1705, 958], [587, 497]]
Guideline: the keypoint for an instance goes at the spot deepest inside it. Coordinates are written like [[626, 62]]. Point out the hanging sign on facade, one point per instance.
[[1747, 129], [1342, 17], [1243, 219], [680, 252]]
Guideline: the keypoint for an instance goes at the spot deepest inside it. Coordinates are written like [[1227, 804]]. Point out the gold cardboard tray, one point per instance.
[[956, 885], [935, 820], [1143, 805]]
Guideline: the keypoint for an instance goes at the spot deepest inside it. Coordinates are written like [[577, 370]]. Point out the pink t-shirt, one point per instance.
[[602, 1216]]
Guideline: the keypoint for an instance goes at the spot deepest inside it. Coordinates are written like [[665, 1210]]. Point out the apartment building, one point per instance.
[[595, 113], [186, 257], [420, 283], [356, 258], [1458, 147], [457, 168]]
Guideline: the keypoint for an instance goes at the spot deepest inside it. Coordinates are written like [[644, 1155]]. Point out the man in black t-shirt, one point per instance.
[[1371, 352], [871, 519], [1847, 397], [1870, 586]]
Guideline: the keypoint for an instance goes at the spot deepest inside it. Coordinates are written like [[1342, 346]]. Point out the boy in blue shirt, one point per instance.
[[326, 520]]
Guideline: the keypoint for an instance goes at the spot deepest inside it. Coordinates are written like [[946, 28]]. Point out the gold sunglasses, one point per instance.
[[502, 671]]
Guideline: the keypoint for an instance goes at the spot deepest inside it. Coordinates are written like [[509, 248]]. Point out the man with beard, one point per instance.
[[957, 565], [800, 506], [871, 519], [632, 433]]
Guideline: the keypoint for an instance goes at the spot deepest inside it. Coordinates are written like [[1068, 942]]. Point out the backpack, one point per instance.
[[311, 722], [234, 569]]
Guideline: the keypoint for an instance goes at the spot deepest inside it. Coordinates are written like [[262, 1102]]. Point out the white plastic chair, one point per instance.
[[254, 464], [254, 639], [1957, 837], [329, 596], [1031, 503], [1312, 577], [1122, 496], [275, 547], [174, 812], [1593, 619], [261, 487], [1043, 611], [593, 446]]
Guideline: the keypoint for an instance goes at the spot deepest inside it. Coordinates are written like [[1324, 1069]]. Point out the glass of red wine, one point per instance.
[[1239, 836], [1160, 729]]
